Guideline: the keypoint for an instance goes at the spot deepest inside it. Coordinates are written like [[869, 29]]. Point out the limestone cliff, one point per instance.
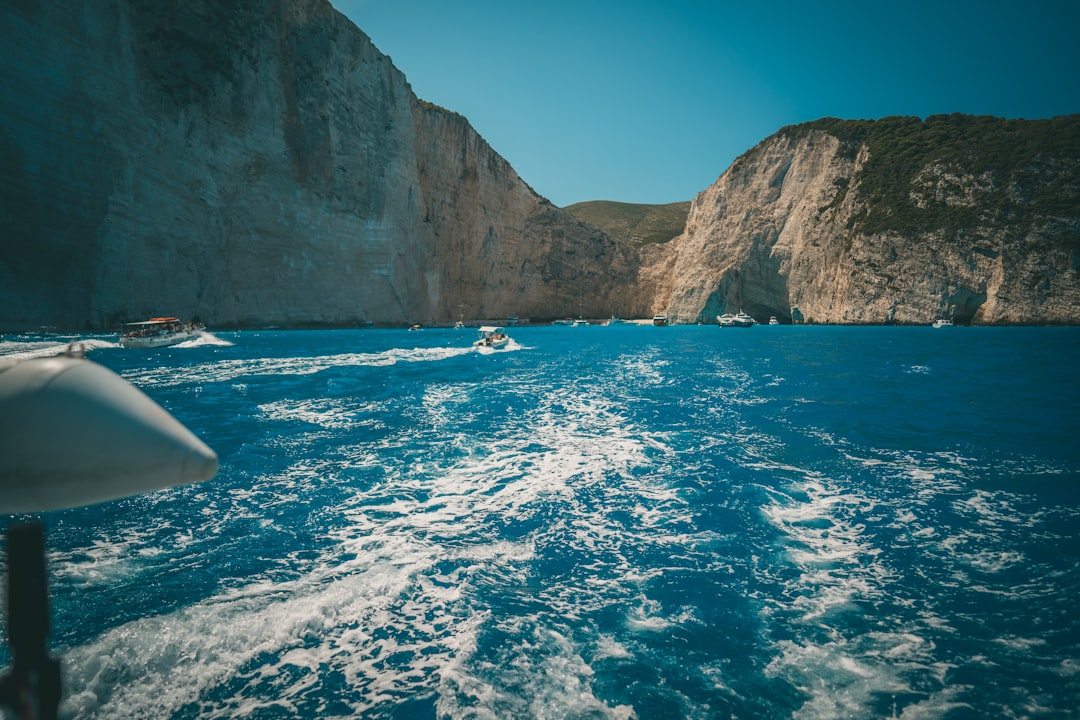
[[498, 248], [262, 163], [893, 221], [257, 163]]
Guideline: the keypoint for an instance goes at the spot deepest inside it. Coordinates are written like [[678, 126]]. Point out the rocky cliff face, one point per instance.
[[257, 163], [941, 225], [262, 163], [498, 249]]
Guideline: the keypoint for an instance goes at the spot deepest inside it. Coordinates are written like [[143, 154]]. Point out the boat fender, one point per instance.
[[74, 433]]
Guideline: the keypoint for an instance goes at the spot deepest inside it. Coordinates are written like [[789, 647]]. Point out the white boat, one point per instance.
[[942, 322], [773, 320], [580, 322], [158, 333], [659, 320], [740, 319], [491, 336]]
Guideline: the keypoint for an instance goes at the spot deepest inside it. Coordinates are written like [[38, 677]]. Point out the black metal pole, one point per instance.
[[31, 689]]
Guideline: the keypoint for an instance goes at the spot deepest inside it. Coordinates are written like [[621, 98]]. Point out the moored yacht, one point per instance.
[[739, 319]]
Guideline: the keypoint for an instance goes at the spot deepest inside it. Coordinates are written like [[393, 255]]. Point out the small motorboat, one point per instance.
[[491, 336]]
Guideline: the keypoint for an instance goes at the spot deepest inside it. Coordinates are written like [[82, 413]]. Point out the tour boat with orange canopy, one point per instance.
[[158, 332]]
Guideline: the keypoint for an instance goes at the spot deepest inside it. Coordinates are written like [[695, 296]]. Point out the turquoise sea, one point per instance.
[[598, 522]]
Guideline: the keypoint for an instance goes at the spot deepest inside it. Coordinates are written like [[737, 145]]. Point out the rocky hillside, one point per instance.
[[260, 164], [892, 221], [634, 223]]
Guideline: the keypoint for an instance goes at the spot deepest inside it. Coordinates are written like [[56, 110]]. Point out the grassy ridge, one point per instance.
[[634, 223]]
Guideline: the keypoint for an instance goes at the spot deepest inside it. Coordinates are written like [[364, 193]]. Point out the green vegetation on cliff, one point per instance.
[[635, 224], [957, 172]]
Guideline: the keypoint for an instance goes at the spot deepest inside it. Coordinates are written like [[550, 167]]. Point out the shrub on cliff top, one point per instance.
[[1024, 171]]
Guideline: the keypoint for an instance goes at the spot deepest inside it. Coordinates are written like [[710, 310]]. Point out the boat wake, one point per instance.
[[204, 339], [230, 369], [27, 350], [595, 529]]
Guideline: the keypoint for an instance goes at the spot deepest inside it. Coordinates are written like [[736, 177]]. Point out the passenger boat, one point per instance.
[[491, 336], [773, 320], [740, 319], [158, 333], [942, 322], [659, 320]]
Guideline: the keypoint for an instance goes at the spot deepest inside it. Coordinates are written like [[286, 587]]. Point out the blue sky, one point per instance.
[[650, 101]]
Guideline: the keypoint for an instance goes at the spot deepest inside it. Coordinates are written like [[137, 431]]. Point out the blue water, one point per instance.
[[601, 522]]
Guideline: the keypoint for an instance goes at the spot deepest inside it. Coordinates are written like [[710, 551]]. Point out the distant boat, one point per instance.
[[158, 333], [659, 320], [415, 327], [491, 336], [580, 322], [942, 322], [773, 320], [739, 319], [615, 320]]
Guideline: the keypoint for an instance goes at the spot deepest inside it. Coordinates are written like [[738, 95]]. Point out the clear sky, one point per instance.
[[649, 101]]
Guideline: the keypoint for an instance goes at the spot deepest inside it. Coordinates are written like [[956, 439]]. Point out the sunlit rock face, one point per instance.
[[804, 226], [256, 163], [249, 163], [499, 249]]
